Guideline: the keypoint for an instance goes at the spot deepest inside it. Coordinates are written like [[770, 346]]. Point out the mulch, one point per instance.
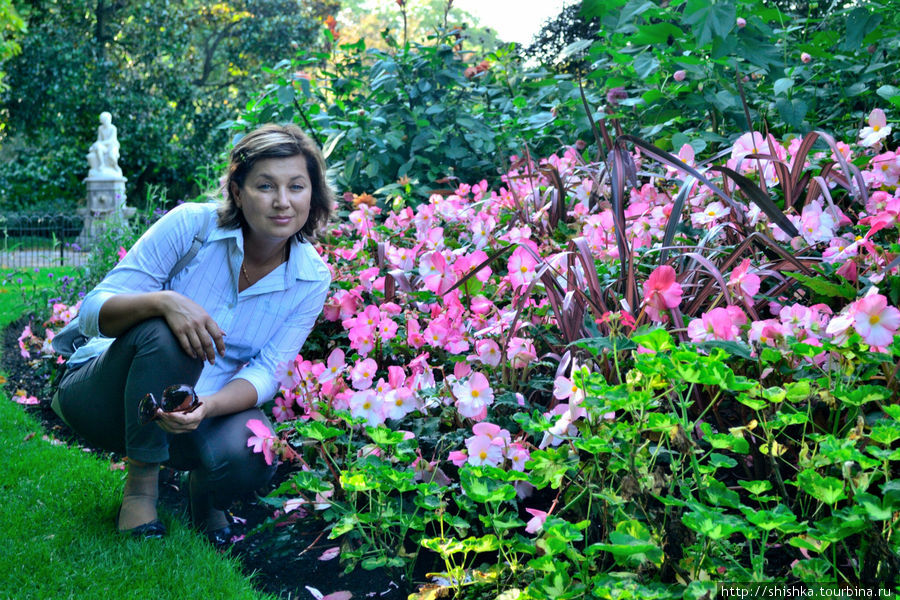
[[282, 560]]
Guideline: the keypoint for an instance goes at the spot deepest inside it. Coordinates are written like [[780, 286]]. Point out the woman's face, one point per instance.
[[275, 198]]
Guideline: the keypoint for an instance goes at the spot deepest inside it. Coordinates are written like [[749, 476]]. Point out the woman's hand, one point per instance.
[[197, 332], [181, 422]]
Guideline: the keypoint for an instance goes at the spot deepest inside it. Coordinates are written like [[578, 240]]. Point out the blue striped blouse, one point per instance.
[[265, 325]]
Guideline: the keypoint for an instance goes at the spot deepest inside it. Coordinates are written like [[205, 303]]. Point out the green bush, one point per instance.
[[422, 111], [800, 66]]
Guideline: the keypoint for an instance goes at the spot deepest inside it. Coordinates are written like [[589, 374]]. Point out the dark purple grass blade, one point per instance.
[[764, 202]]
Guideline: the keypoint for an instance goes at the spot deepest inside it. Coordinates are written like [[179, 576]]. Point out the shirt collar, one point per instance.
[[304, 263]]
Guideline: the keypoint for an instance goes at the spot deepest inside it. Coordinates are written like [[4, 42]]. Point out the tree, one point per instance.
[[418, 18], [559, 33], [12, 27], [169, 72]]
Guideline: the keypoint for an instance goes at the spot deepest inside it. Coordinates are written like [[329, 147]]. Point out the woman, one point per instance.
[[223, 323]]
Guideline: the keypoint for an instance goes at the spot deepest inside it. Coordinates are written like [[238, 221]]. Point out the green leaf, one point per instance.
[[710, 20], [863, 394], [713, 524], [779, 517], [782, 85], [657, 340], [732, 348], [309, 481], [877, 509], [719, 495], [797, 391], [829, 490], [859, 23], [792, 112], [285, 94], [822, 286], [318, 431], [484, 489]]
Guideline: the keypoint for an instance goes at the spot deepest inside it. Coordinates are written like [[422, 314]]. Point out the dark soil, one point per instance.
[[281, 560]]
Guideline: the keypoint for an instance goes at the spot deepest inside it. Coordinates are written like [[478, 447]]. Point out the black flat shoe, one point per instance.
[[148, 531], [221, 538]]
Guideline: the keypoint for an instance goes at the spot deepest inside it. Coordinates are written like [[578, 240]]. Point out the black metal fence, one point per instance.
[[40, 240]]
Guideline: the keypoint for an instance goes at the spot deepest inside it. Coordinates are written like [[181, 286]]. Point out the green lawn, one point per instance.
[[57, 539]]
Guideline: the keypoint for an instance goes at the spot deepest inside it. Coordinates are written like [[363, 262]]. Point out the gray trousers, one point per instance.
[[99, 400]]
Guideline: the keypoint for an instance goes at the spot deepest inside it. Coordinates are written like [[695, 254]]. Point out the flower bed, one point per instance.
[[504, 403]]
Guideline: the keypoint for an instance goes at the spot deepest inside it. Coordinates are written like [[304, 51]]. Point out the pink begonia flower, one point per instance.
[[363, 373], [342, 595], [768, 332], [22, 397], [816, 225], [462, 370], [711, 214], [436, 334], [341, 305], [536, 523], [25, 336], [488, 352], [473, 396], [661, 292], [520, 352], [396, 376], [717, 324], [805, 57], [262, 440], [679, 75], [521, 267], [482, 450], [840, 326], [367, 405], [741, 22], [414, 336], [465, 263], [848, 271], [481, 305], [334, 366], [458, 457], [398, 403], [282, 410], [288, 373], [491, 431], [362, 339], [402, 258], [330, 553], [875, 321], [518, 455], [887, 167], [437, 276], [797, 320], [564, 388], [747, 283], [877, 130]]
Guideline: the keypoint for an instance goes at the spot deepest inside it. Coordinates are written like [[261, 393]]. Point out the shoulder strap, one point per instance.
[[199, 239]]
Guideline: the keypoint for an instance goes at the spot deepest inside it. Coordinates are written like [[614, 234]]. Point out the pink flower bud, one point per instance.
[[741, 22], [679, 75], [805, 58]]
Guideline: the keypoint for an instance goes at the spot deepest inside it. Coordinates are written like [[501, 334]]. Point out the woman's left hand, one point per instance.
[[181, 422]]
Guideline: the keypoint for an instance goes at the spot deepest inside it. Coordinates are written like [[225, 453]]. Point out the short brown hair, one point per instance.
[[276, 141]]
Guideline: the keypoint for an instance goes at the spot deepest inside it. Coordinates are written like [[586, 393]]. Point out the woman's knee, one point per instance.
[[232, 468], [153, 337]]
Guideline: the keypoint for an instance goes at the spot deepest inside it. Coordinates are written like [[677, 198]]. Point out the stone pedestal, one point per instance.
[[105, 207]]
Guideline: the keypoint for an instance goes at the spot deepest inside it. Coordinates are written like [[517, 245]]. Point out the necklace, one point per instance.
[[244, 269]]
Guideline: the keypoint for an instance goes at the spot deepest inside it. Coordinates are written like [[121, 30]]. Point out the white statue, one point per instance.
[[103, 156]]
